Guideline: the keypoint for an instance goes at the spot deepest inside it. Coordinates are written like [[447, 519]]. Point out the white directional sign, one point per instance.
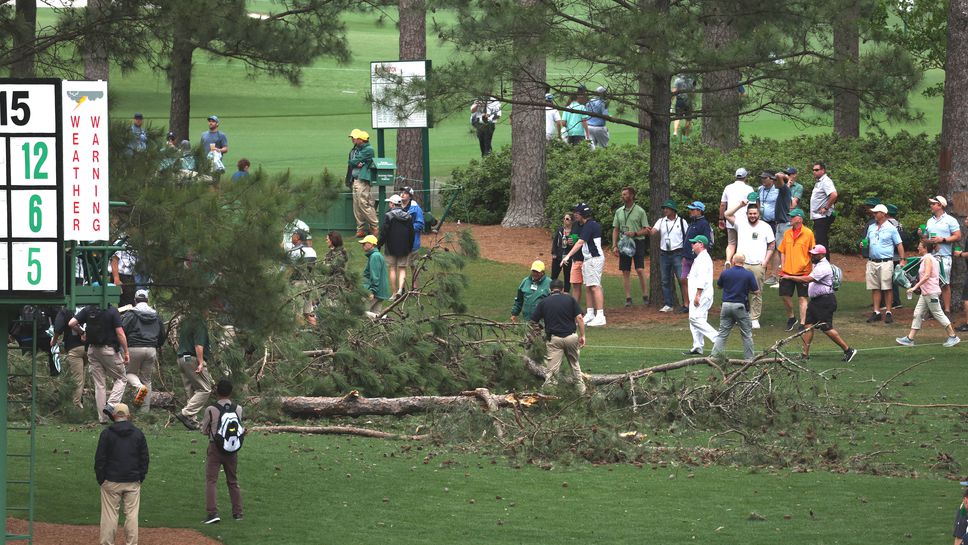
[[84, 121]]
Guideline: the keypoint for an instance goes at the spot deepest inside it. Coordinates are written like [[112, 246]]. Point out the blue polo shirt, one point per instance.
[[882, 241], [768, 198], [737, 284], [596, 106]]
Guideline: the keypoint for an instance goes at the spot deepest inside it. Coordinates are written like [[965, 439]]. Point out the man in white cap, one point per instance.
[[882, 239], [596, 108], [822, 304], [944, 231], [120, 465], [700, 295], [146, 335], [732, 195], [535, 287]]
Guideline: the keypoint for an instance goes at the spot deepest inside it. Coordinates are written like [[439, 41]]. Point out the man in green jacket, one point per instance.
[[533, 288], [361, 170], [375, 278]]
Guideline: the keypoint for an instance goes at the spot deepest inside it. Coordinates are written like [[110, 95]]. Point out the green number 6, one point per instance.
[[35, 217]]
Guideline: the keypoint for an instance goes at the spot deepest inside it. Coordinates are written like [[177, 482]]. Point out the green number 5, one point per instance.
[[33, 279]]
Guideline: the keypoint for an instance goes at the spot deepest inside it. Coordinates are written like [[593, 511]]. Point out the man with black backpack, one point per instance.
[[107, 351], [223, 426]]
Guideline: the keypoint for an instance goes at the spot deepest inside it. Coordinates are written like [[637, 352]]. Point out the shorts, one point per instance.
[[396, 261], [787, 287], [683, 106], [821, 309], [781, 229], [944, 269], [731, 236], [880, 275], [592, 271], [625, 262], [576, 276], [686, 267]]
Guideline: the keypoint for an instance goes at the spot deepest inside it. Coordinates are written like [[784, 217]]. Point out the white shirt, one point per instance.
[[296, 225], [552, 123], [493, 110], [701, 277], [820, 195], [671, 233], [752, 241], [733, 193]]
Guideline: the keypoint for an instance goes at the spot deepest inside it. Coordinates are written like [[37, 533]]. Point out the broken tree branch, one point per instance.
[[337, 430]]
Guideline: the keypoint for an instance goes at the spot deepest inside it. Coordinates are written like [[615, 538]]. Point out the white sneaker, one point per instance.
[[597, 321], [756, 324], [951, 342], [589, 316], [666, 308]]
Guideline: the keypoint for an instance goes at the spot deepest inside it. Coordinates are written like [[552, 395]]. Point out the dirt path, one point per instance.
[[67, 534]]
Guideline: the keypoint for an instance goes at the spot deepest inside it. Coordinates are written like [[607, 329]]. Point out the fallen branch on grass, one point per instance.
[[899, 373], [916, 405], [337, 430]]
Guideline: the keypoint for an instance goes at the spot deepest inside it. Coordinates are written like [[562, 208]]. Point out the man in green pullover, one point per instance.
[[533, 288], [375, 278]]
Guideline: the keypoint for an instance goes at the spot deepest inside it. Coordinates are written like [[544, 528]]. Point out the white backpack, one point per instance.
[[230, 433]]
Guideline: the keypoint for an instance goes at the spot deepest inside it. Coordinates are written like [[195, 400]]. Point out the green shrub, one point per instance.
[[899, 169]]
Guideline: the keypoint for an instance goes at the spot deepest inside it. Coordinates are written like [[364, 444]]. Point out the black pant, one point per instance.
[[821, 232], [485, 132], [556, 269]]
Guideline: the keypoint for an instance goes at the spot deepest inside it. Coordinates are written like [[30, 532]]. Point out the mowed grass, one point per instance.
[[313, 489]]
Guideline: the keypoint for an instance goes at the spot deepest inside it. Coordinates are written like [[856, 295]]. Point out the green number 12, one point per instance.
[[40, 150]]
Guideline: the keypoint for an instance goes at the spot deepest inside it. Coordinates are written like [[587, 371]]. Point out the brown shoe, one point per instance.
[[360, 234]]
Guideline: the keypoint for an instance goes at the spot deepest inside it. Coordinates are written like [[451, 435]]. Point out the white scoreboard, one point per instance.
[[33, 167]]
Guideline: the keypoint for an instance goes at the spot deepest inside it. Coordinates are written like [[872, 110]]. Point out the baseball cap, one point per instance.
[[819, 249], [753, 197], [696, 205], [767, 174], [940, 200], [601, 89], [171, 135], [879, 208], [796, 212], [369, 238], [700, 238], [141, 294], [213, 118], [670, 204], [407, 189], [892, 210], [549, 97], [118, 409], [583, 209], [741, 173], [137, 115], [538, 265], [872, 201], [790, 170], [363, 135], [395, 199]]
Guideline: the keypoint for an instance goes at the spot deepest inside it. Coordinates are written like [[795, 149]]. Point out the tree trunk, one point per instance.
[[96, 65], [847, 49], [529, 181], [24, 33], [645, 105], [336, 430], [659, 187], [953, 165], [721, 101], [180, 77], [413, 46]]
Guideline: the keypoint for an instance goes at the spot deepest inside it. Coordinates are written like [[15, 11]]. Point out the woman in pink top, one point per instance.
[[930, 299]]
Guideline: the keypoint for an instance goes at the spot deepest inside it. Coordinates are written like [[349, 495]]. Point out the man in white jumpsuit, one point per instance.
[[700, 295]]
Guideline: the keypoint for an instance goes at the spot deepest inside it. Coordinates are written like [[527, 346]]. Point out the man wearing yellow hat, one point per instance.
[[375, 279], [533, 288], [361, 171]]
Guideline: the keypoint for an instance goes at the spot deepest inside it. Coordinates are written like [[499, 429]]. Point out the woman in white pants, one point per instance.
[[930, 300]]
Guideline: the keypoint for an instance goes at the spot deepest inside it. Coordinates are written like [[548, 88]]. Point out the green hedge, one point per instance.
[[900, 169]]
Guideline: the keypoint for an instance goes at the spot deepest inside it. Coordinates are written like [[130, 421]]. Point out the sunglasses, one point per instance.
[[566, 219], [817, 169]]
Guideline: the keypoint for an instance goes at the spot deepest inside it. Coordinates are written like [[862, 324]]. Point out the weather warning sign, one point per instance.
[[85, 159]]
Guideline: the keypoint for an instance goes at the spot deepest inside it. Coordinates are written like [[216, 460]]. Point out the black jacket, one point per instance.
[[71, 339], [143, 327], [396, 233], [122, 454]]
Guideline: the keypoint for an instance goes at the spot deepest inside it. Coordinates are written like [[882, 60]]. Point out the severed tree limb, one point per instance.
[[337, 430], [899, 373], [603, 379], [915, 405]]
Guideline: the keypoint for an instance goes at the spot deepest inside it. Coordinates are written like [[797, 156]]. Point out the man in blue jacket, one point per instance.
[[120, 465], [698, 225], [412, 207]]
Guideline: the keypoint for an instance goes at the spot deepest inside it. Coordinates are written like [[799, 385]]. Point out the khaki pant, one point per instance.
[[929, 303], [113, 496], [140, 367], [215, 459], [567, 347], [198, 386], [756, 300], [106, 364], [363, 209], [76, 358]]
